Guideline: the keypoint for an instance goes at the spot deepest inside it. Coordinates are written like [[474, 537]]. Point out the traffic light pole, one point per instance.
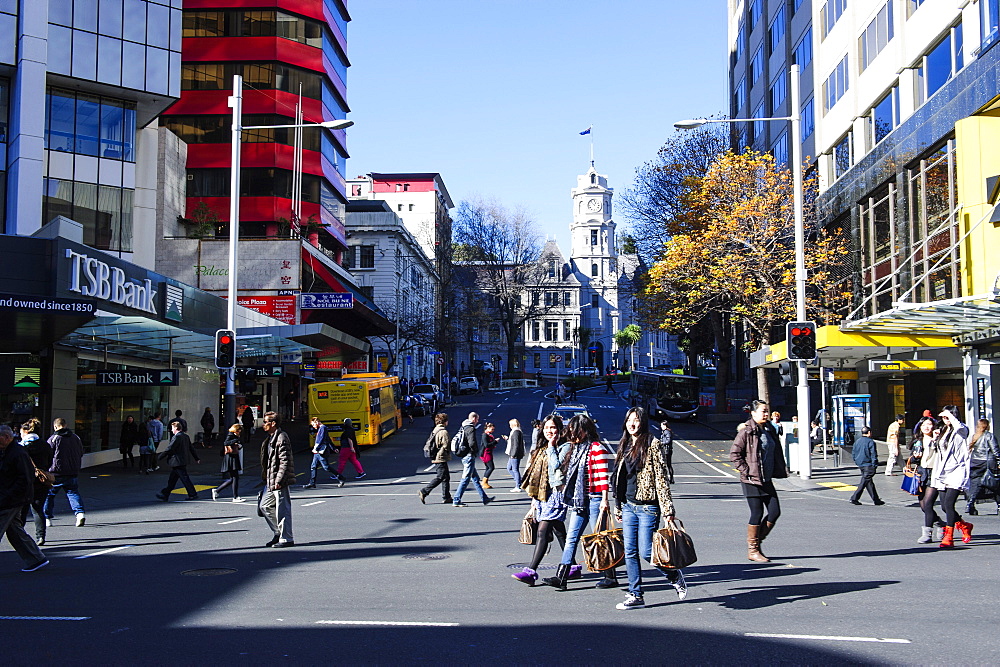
[[805, 448], [236, 102]]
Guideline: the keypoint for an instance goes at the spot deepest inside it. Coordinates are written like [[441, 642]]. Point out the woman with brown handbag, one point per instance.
[[231, 463], [640, 485]]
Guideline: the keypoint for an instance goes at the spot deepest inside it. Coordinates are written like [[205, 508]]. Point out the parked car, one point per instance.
[[584, 372], [431, 393], [569, 410], [468, 385]]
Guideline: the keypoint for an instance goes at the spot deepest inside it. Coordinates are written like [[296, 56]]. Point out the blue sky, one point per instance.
[[493, 93]]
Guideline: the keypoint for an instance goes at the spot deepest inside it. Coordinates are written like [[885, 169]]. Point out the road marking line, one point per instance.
[[246, 518], [703, 476], [838, 486], [681, 445], [401, 479], [541, 406], [881, 640], [44, 618], [430, 468], [315, 502], [404, 623], [197, 487], [106, 551]]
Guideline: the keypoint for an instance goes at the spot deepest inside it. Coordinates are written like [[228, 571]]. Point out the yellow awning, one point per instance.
[[834, 345]]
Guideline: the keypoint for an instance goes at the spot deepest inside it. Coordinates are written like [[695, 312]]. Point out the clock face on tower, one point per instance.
[[594, 205]]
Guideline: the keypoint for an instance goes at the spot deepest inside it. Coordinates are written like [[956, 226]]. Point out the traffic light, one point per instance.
[[785, 374], [801, 340], [225, 348]]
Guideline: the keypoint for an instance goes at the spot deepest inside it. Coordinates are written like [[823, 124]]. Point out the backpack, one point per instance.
[[459, 447], [429, 445]]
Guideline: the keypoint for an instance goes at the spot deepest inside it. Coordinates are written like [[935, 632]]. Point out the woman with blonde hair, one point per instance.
[[231, 463], [982, 447]]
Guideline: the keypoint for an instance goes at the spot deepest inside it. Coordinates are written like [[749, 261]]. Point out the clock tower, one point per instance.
[[593, 230]]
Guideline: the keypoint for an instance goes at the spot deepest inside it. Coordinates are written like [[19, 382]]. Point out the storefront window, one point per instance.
[[100, 411], [104, 211]]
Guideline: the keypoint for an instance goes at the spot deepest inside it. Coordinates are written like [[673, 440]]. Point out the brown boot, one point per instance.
[[753, 545], [765, 530]]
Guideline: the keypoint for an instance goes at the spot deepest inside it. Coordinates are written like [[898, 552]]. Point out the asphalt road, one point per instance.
[[378, 578]]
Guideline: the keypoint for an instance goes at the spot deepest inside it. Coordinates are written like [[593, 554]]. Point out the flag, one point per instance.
[[587, 131]]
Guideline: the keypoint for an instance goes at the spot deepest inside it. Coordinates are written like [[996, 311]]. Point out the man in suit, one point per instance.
[[178, 453]]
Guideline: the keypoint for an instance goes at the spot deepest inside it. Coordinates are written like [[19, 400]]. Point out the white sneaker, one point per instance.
[[215, 494], [48, 523], [515, 490], [631, 602], [680, 586], [80, 519], [239, 500]]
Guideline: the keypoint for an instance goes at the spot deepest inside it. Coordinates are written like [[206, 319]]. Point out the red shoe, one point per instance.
[[965, 528], [948, 540]]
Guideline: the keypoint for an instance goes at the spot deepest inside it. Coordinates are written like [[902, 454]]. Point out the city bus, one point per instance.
[[666, 395], [370, 400]]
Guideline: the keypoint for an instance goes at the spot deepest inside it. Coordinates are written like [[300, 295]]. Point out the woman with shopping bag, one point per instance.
[[640, 486]]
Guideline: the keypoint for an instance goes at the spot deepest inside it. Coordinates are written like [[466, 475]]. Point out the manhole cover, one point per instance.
[[424, 557], [521, 566], [208, 572]]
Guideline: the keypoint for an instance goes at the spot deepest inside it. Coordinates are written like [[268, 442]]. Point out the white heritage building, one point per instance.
[[585, 299]]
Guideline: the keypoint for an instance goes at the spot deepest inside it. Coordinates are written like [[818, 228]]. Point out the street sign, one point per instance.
[[555, 358], [900, 365], [136, 378], [331, 300], [254, 372]]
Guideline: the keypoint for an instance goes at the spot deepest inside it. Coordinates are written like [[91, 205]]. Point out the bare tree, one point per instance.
[[500, 248]]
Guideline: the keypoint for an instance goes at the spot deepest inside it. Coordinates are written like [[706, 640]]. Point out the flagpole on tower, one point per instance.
[[590, 131]]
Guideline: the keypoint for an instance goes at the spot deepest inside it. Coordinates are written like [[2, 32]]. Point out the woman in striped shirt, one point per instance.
[[586, 495]]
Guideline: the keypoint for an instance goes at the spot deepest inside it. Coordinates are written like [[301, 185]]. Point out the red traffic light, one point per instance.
[[225, 340]]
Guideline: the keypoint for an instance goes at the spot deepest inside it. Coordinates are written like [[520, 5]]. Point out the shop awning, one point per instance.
[[314, 335], [949, 317], [158, 341], [836, 347]]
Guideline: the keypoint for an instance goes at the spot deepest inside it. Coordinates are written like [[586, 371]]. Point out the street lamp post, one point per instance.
[[802, 390], [236, 104]]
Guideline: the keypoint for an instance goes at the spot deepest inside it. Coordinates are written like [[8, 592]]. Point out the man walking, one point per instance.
[[67, 456], [178, 453], [894, 437], [515, 452], [155, 428], [469, 450], [178, 419], [866, 458], [208, 426], [17, 476], [278, 472], [440, 452], [320, 446]]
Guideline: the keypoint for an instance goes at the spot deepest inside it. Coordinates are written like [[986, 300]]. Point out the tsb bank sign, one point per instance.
[[94, 278]]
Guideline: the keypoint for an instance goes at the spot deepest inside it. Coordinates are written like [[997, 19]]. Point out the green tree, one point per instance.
[[626, 339]]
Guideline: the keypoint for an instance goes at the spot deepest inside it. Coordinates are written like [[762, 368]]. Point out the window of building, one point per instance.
[[759, 126], [740, 94], [366, 257], [257, 76], [535, 299], [552, 268], [410, 207], [757, 65], [804, 50], [551, 330], [756, 12], [367, 290], [876, 36], [989, 23], [796, 4], [778, 92], [741, 40], [777, 29], [830, 13], [912, 5], [538, 359], [89, 125], [808, 118], [567, 330], [843, 156], [399, 208], [348, 258], [940, 64], [835, 85], [593, 270], [104, 211], [935, 227], [780, 150], [535, 331], [567, 299], [204, 24], [593, 237], [594, 300], [883, 118]]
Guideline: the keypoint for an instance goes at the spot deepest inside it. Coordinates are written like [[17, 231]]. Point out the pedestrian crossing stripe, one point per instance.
[[838, 486], [197, 487]]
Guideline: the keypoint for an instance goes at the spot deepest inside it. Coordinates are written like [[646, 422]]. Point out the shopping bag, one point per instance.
[[604, 548], [673, 547], [990, 481], [529, 528], [911, 480]]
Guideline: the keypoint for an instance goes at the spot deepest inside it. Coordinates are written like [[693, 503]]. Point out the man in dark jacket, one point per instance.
[[277, 469], [208, 426], [866, 458], [17, 476], [178, 419], [471, 450], [67, 457], [178, 453]]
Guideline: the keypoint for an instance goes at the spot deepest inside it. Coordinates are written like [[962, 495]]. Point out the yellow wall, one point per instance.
[[978, 152]]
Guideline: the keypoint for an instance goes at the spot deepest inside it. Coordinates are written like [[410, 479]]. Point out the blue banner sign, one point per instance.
[[326, 300]]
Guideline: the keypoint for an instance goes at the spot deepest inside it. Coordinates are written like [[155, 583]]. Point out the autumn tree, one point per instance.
[[741, 263], [498, 250]]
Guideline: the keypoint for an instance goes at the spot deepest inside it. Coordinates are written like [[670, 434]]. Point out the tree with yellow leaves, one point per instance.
[[741, 261]]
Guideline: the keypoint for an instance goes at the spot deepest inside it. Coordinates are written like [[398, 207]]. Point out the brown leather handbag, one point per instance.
[[673, 548], [529, 528], [604, 548], [44, 477]]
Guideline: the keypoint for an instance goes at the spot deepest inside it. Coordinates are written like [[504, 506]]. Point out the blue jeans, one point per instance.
[[639, 522], [69, 484], [514, 468], [575, 525], [319, 461], [469, 474]]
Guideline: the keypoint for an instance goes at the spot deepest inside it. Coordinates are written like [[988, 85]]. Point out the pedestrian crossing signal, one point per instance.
[[225, 348], [800, 338]]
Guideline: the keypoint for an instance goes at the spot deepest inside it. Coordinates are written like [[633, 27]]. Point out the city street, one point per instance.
[[377, 577]]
